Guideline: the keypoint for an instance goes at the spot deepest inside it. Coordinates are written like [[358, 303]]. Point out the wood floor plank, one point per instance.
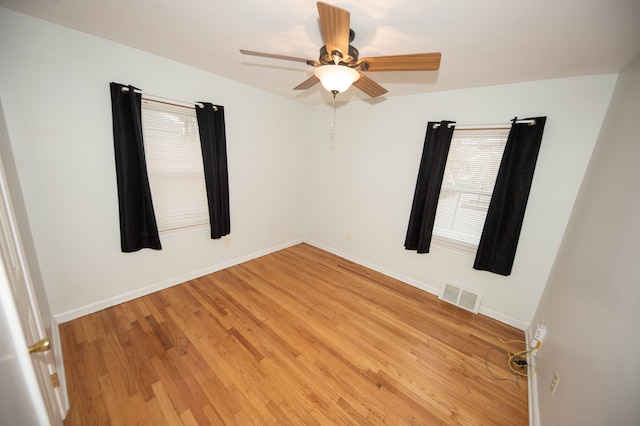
[[187, 419], [166, 404], [213, 416], [299, 336], [221, 406]]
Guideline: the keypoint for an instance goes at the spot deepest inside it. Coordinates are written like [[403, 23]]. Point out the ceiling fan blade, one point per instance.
[[334, 23], [311, 81], [369, 86], [413, 62], [286, 58]]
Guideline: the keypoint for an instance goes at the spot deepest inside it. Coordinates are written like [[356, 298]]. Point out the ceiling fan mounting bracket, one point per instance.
[[338, 58]]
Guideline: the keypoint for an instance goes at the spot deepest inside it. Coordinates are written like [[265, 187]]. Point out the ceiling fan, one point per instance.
[[339, 65]]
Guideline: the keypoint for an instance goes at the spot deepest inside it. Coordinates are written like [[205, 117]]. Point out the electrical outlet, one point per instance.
[[536, 341], [554, 382], [349, 236], [227, 240]]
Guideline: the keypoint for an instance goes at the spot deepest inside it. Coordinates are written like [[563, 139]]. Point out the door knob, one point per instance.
[[40, 346]]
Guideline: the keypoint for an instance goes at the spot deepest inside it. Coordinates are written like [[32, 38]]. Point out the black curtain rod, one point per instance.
[[169, 101], [489, 126]]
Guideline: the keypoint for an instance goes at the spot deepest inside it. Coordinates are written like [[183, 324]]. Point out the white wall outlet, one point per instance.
[[349, 236], [538, 337], [540, 333], [227, 240]]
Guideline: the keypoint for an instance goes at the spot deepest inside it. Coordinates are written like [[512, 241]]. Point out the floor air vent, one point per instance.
[[461, 297]]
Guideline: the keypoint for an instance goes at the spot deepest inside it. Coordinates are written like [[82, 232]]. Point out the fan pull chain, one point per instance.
[[332, 131]]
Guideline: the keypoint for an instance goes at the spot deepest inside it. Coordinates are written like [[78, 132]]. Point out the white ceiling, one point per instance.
[[483, 42]]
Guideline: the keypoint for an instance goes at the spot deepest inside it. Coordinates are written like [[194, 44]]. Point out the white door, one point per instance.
[[31, 376]]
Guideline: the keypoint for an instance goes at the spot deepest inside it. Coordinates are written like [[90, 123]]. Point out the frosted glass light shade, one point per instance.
[[336, 78]]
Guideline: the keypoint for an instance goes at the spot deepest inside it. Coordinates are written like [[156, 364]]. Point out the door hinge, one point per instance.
[[54, 380]]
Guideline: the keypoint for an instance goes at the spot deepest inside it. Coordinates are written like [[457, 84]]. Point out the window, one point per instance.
[[470, 174], [174, 165]]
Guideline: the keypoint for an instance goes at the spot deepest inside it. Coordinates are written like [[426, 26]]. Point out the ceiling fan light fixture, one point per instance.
[[336, 78]]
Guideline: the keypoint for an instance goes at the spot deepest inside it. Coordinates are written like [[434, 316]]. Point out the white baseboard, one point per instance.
[[103, 304], [532, 383], [505, 319], [422, 286], [418, 284], [121, 298]]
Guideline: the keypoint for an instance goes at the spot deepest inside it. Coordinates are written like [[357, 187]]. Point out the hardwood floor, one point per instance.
[[296, 337]]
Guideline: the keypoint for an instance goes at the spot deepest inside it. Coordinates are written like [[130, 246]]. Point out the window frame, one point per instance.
[[480, 135], [156, 146]]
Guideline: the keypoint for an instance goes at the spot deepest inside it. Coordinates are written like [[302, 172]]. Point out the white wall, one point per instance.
[[283, 171], [364, 185], [591, 305], [287, 186], [54, 86]]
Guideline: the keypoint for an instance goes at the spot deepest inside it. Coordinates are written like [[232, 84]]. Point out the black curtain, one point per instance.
[[497, 247], [214, 155], [430, 174], [138, 228]]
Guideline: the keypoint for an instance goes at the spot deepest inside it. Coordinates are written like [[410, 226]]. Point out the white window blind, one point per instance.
[[470, 174], [174, 165]]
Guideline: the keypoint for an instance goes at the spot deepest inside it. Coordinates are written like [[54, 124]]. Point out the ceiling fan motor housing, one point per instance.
[[339, 58], [328, 58]]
